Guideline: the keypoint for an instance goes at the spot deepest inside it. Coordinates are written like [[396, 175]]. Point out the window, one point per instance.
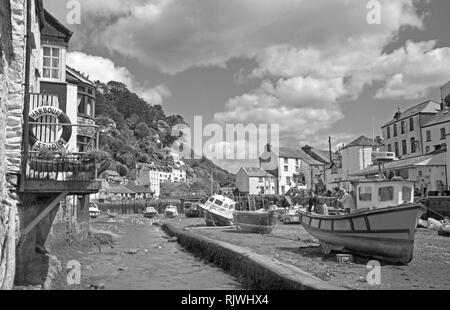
[[389, 148], [386, 194], [389, 132], [428, 135], [443, 134], [288, 180], [51, 65], [218, 202], [286, 161], [411, 124], [402, 126], [406, 194], [395, 130], [286, 168], [365, 193], [413, 145], [404, 147], [397, 153], [261, 180], [86, 101]]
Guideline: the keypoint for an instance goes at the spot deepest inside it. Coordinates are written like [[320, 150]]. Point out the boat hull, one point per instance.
[[150, 215], [255, 222], [213, 218], [386, 234]]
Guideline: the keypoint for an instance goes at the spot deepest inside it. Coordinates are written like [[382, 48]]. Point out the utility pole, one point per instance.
[[329, 146], [212, 181]]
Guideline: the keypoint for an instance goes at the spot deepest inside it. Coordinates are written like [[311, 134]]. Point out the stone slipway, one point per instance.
[[256, 270]]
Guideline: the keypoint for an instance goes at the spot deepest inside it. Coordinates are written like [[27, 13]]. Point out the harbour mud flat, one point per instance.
[[128, 252], [292, 245]]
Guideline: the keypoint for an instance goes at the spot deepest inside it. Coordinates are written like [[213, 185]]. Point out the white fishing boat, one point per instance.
[[383, 226], [218, 211]]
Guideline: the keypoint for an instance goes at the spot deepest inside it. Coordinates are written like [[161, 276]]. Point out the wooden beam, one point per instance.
[[44, 213], [72, 187]]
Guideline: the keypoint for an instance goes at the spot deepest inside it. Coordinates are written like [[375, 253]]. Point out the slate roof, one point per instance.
[[440, 117], [426, 160], [361, 141], [255, 172], [424, 107], [139, 189], [287, 152], [120, 190]]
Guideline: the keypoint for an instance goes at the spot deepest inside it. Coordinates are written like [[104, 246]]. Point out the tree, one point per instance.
[[142, 131]]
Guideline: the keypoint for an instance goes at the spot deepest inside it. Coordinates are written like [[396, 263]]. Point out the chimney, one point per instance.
[[307, 149]]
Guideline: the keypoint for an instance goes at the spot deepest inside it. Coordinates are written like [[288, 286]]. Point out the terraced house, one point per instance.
[[48, 167]]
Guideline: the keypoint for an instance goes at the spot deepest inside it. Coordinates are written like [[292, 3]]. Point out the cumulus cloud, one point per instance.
[[105, 70], [176, 35], [310, 56]]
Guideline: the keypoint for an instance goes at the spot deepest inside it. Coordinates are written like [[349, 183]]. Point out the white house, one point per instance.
[[351, 159], [255, 181], [292, 167]]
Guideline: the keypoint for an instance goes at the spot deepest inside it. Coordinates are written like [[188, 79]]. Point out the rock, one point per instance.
[[174, 239], [132, 251]]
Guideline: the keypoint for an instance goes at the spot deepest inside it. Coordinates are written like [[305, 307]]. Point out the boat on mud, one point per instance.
[[193, 210], [260, 221], [382, 227], [150, 212], [218, 211], [171, 211]]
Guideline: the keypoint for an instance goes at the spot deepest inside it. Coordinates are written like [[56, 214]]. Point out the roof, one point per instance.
[[255, 172], [420, 161], [112, 173], [440, 117], [298, 153], [54, 30], [74, 76], [322, 156], [139, 189], [120, 190], [424, 107], [361, 141]]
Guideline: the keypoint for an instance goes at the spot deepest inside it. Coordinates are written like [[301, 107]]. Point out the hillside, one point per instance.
[[134, 131]]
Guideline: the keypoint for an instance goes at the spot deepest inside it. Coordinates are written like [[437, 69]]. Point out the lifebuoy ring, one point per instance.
[[62, 118]]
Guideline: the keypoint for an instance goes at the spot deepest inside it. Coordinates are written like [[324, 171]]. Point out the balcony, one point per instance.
[[52, 162]]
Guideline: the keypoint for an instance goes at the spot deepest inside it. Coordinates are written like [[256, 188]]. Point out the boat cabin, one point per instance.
[[377, 194], [219, 202]]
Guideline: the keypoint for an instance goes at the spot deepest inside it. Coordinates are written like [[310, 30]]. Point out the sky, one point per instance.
[[316, 68]]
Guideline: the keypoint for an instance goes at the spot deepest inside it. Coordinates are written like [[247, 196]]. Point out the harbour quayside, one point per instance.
[[383, 225]]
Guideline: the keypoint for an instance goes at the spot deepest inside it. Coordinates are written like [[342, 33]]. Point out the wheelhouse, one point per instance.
[[382, 194], [221, 203]]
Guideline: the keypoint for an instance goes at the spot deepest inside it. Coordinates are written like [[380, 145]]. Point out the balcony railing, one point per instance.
[[52, 152]]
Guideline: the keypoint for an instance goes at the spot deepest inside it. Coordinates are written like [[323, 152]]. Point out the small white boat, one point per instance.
[[218, 211], [171, 211], [150, 212], [383, 226]]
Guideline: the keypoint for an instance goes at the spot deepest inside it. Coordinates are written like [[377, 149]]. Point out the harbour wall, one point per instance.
[[256, 271]]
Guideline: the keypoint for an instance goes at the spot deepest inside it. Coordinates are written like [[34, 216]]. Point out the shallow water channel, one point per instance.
[[158, 264]]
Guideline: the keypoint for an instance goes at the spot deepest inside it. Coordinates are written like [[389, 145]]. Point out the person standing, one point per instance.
[[347, 201]]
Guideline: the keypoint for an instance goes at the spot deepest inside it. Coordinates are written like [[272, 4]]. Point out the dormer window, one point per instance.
[[51, 68]]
